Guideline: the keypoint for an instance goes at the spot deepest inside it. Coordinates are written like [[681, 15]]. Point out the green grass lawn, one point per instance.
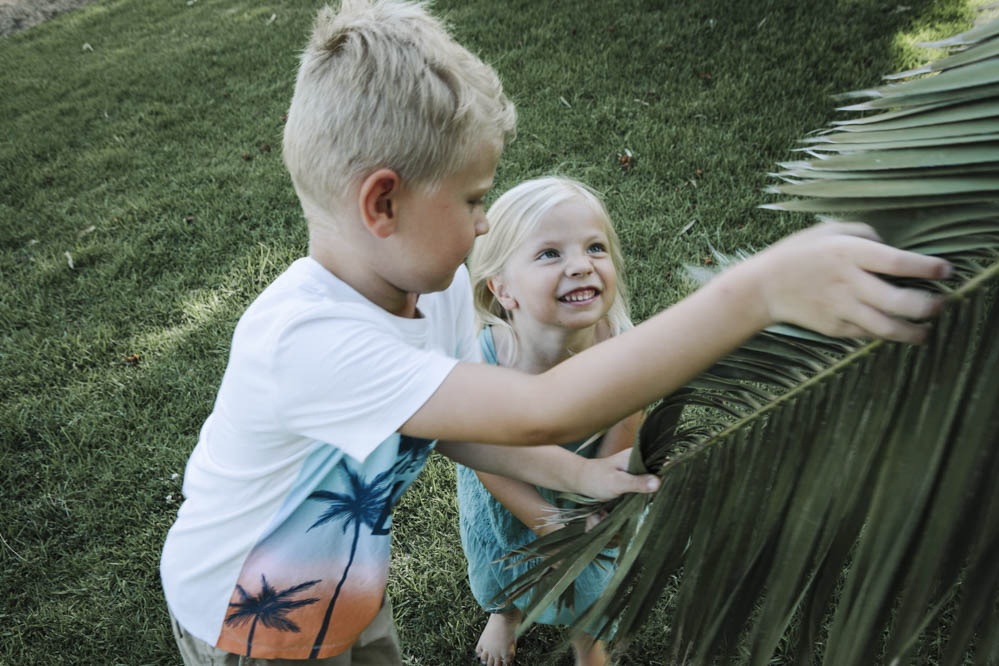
[[143, 204]]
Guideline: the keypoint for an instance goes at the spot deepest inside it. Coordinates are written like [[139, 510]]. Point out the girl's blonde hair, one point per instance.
[[511, 219]]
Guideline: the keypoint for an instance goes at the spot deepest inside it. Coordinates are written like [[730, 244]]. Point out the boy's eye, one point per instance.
[[476, 202], [548, 254]]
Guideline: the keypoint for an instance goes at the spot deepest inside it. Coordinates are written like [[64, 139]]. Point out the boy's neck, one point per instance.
[[366, 282]]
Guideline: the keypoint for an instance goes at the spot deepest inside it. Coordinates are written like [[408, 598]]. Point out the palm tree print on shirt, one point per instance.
[[413, 452], [363, 505], [269, 607]]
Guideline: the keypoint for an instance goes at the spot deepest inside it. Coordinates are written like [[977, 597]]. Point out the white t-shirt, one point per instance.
[[281, 547]]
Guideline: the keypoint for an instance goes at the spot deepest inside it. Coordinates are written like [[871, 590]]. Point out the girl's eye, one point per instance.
[[474, 203], [548, 254], [598, 247]]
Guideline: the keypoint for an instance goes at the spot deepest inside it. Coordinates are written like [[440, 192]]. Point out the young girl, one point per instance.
[[545, 281]]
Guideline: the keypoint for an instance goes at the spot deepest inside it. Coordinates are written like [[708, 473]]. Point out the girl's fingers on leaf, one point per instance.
[[645, 483], [632, 483], [907, 303], [621, 459]]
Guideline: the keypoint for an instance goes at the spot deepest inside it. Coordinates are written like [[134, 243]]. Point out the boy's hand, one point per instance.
[[823, 278], [607, 478]]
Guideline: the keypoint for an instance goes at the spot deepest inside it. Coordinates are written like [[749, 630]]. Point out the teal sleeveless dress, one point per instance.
[[489, 531]]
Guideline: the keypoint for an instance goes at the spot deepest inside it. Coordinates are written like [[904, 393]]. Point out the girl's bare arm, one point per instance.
[[523, 501], [620, 436]]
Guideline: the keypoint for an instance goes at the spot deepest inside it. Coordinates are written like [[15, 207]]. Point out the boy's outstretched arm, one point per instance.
[[553, 467], [823, 278]]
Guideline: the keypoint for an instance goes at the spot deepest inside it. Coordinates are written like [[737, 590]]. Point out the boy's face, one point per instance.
[[436, 230]]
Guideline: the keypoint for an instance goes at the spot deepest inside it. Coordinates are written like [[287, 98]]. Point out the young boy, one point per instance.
[[348, 367]]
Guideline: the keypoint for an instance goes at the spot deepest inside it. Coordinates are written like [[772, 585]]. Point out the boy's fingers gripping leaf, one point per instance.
[[877, 257], [858, 229], [870, 322], [881, 258], [821, 278], [896, 301]]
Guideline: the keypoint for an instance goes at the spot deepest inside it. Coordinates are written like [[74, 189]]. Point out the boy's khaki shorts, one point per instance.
[[378, 645]]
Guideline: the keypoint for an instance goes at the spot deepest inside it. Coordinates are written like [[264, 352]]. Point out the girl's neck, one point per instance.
[[540, 348]]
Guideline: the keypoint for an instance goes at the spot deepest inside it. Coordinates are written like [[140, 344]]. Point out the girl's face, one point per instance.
[[562, 274]]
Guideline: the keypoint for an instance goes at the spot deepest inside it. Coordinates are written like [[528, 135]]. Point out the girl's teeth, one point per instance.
[[581, 296]]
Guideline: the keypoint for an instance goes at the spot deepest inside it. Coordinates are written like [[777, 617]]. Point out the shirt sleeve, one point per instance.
[[360, 387]]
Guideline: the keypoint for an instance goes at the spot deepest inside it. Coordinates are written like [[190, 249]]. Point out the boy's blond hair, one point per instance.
[[382, 84], [515, 215]]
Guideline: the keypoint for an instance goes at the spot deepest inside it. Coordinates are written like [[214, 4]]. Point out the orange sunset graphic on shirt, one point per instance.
[[312, 584]]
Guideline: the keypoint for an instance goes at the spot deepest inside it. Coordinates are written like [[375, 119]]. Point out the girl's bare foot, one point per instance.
[[497, 644], [588, 651]]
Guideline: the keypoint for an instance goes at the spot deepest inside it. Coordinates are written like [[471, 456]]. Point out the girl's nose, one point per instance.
[[579, 266]]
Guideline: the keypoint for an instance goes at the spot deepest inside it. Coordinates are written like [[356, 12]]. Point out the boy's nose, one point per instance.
[[481, 226]]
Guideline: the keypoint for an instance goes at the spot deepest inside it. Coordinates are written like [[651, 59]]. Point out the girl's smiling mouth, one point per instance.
[[582, 295]]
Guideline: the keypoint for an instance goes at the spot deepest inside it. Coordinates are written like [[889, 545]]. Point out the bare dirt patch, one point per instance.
[[17, 15]]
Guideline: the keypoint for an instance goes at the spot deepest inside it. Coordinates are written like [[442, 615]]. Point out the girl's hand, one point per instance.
[[607, 478], [825, 278], [594, 519]]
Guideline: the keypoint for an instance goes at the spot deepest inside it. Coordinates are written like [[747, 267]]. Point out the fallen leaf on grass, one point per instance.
[[625, 160], [69, 259], [83, 232], [132, 359]]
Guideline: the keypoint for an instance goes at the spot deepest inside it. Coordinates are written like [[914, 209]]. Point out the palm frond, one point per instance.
[[842, 488]]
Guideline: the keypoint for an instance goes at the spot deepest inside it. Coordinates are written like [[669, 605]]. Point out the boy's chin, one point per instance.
[[445, 283], [431, 285]]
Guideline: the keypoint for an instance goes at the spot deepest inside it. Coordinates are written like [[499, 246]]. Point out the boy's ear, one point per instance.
[[376, 201], [499, 289]]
